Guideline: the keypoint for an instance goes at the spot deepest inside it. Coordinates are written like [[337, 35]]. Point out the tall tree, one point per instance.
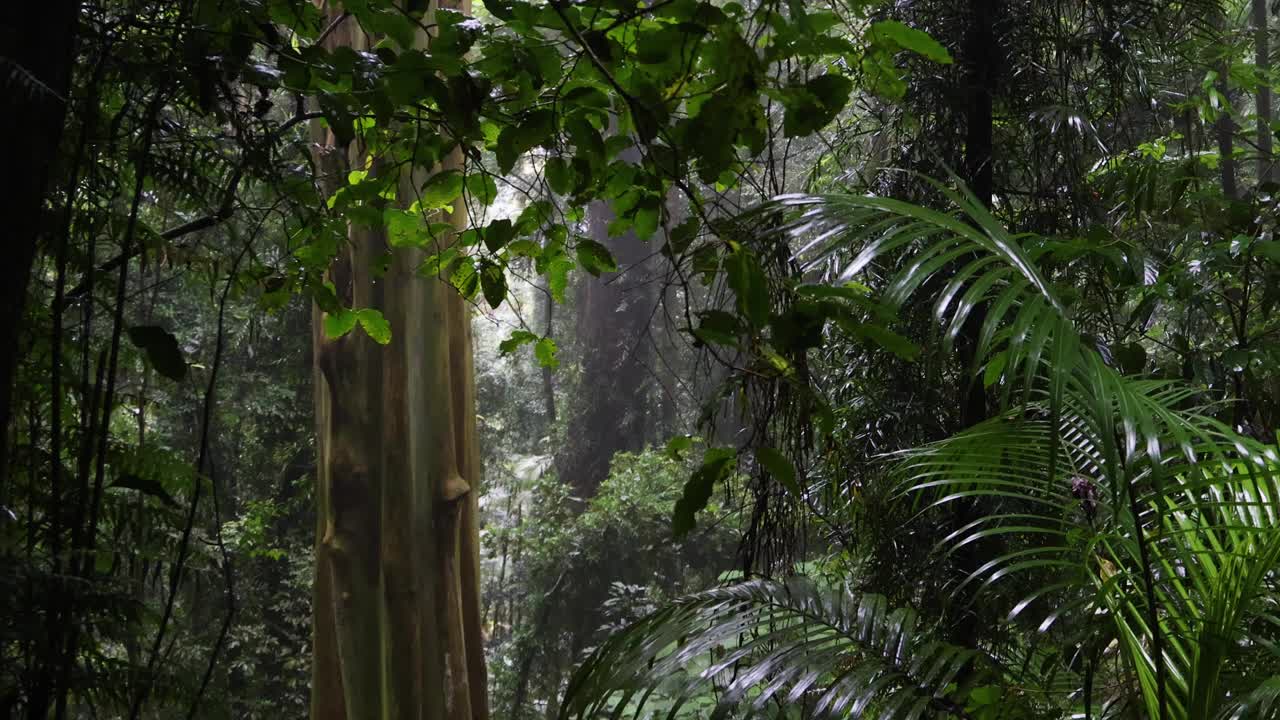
[[981, 68], [614, 312], [1225, 127], [397, 613], [35, 75], [1262, 59]]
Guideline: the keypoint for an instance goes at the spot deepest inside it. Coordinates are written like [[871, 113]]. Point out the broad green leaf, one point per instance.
[[404, 229], [465, 279], [146, 486], [374, 325], [781, 469], [718, 327], [559, 175], [493, 283], [594, 257], [162, 350], [513, 343], [747, 280], [558, 276], [717, 463], [498, 234], [339, 323], [482, 188], [547, 353], [809, 107], [683, 235], [678, 445], [995, 368], [442, 189], [908, 38], [534, 129]]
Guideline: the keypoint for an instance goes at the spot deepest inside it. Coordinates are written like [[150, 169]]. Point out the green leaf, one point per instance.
[[146, 486], [995, 368], [498, 234], [464, 278], [547, 353], [404, 229], [678, 445], [781, 469], [534, 129], [515, 341], [493, 283], [559, 175], [908, 38], [594, 257], [162, 350], [442, 189], [810, 107], [747, 280], [558, 276], [339, 323], [646, 222], [375, 325], [891, 341], [1131, 357], [683, 235], [718, 327], [716, 465], [481, 187]]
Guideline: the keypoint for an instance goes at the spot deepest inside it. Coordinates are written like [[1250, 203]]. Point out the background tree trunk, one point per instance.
[[981, 70], [397, 611], [614, 310], [1262, 59], [1225, 126], [37, 41]]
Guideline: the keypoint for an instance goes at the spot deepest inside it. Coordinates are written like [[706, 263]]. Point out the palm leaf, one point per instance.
[[1174, 545], [1128, 504], [784, 644]]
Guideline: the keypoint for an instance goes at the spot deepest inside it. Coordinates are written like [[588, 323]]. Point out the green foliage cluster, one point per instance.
[[583, 572], [1016, 426]]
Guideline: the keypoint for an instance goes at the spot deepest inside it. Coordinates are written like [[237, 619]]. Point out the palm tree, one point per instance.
[[1127, 510]]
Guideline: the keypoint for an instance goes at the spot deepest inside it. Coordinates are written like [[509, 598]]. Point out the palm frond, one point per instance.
[[1125, 498], [1125, 506], [763, 644]]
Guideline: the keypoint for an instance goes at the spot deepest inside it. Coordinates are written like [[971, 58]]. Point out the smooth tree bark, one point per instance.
[[397, 626], [1262, 60], [981, 58], [1225, 127], [614, 313], [982, 55]]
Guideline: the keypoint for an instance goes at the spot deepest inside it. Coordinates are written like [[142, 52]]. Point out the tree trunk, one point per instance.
[[981, 59], [397, 614], [1225, 126], [37, 43], [614, 311], [1262, 59]]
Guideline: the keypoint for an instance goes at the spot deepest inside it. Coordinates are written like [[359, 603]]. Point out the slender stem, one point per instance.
[[1153, 615], [205, 423]]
